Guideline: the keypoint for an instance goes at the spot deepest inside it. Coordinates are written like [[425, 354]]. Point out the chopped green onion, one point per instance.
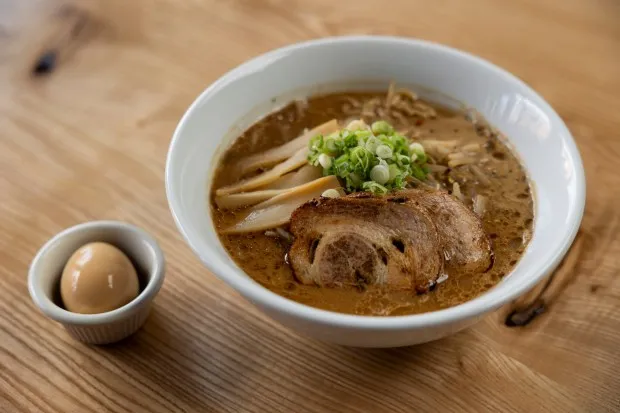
[[394, 172], [417, 172], [380, 174], [403, 159], [418, 153], [331, 145], [417, 148], [384, 151], [325, 161], [382, 127], [375, 159], [331, 193], [375, 188], [362, 159], [372, 143], [363, 134], [350, 140]]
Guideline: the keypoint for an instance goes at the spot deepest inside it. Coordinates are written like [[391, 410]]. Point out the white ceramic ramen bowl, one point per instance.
[[267, 82]]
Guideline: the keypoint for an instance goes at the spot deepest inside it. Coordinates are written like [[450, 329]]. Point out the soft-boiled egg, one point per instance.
[[97, 278]]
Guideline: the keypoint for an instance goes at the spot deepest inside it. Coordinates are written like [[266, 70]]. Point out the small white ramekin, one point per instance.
[[104, 328]]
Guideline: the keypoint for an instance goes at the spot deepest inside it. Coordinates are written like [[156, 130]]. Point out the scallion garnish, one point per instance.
[[376, 159]]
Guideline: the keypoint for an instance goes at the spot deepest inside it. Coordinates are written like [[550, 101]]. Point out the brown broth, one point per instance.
[[507, 221]]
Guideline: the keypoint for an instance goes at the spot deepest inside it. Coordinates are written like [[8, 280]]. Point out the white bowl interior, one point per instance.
[[229, 106]]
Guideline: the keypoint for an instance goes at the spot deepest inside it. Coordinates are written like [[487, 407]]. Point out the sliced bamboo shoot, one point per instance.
[[277, 211], [244, 199], [267, 177], [305, 174], [280, 153]]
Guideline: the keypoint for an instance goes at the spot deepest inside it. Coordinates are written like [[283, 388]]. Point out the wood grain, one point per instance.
[[89, 141]]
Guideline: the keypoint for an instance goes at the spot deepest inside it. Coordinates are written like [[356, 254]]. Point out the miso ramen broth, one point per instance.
[[466, 158]]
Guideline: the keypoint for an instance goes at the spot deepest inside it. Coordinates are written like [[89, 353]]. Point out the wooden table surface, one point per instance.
[[89, 140]]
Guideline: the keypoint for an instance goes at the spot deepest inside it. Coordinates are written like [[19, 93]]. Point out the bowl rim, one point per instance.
[[57, 313], [259, 295]]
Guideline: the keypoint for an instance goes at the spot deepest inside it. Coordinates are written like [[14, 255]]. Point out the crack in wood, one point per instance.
[[540, 300]]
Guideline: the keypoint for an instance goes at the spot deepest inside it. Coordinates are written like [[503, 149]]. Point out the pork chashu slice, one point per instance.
[[358, 241], [465, 244], [401, 240]]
